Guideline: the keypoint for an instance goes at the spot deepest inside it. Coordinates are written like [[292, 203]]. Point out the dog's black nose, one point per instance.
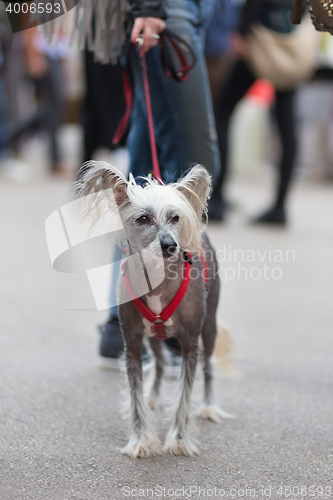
[[168, 245]]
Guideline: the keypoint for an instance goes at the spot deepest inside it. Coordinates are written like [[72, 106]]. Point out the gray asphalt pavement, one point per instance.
[[60, 425]]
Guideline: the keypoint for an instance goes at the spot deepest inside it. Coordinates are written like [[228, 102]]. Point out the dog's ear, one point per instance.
[[97, 176], [196, 186]]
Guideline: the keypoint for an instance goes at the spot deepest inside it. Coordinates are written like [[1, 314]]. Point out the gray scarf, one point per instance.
[[109, 27], [105, 18]]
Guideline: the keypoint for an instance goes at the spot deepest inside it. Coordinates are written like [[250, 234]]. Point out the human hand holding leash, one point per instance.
[[148, 28]]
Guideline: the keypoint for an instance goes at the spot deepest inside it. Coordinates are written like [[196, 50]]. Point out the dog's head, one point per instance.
[[161, 217]]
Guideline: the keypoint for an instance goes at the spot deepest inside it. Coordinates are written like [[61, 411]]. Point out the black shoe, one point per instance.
[[112, 347], [275, 216], [112, 342]]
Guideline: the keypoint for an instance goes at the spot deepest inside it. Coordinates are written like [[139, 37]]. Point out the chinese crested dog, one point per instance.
[[169, 287]]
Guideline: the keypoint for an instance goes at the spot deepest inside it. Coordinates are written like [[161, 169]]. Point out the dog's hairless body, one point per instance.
[[166, 221]]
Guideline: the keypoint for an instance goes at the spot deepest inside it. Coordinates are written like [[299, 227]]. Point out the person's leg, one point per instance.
[[112, 343], [237, 83], [104, 105], [182, 112], [138, 141], [55, 102], [39, 119], [285, 117], [90, 121]]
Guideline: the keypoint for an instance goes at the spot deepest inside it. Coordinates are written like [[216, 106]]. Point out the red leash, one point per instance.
[[156, 167]]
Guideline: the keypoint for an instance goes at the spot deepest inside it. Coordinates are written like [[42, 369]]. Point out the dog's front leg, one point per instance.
[[143, 441], [156, 346], [178, 440]]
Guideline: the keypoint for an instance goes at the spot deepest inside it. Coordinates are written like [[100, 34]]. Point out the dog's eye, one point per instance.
[[175, 219], [144, 219]]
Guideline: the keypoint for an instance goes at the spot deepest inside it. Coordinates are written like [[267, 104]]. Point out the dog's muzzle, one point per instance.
[[168, 246]]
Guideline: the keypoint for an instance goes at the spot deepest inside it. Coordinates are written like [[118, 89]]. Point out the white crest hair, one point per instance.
[[188, 197]]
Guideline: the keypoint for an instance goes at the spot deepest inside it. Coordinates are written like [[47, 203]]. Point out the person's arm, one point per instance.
[[148, 15], [147, 8]]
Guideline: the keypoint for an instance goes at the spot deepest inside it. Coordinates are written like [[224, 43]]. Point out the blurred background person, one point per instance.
[[273, 15], [43, 65], [219, 54]]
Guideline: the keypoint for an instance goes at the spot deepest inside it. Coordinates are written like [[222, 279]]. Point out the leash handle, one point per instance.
[[173, 45], [156, 167]]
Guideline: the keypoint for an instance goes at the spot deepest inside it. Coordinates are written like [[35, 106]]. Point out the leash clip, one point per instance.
[[159, 329], [187, 258]]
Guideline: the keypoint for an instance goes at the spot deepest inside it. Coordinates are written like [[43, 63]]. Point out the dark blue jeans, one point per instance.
[[182, 112]]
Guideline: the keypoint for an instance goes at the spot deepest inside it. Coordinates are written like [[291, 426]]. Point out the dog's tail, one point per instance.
[[224, 352]]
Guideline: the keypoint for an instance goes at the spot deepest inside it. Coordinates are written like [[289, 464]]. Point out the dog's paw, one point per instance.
[[212, 412], [143, 447], [180, 445]]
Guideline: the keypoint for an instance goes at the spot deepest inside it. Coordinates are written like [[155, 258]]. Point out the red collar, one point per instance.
[[159, 319]]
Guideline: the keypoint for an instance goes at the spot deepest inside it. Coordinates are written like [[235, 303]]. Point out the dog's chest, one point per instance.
[[154, 303]]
